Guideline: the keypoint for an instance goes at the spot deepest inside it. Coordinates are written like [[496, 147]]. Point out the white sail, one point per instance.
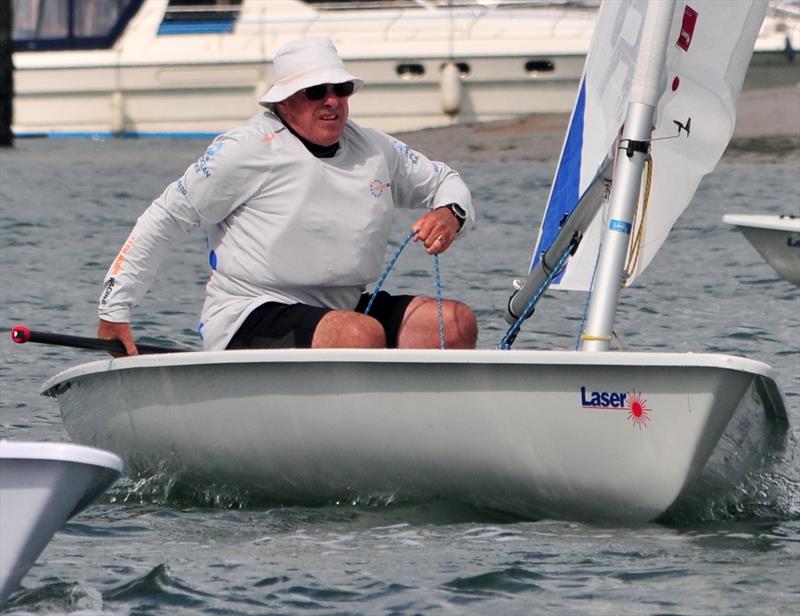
[[711, 43]]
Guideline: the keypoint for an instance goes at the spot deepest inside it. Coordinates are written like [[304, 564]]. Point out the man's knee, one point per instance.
[[347, 329], [420, 328], [461, 325]]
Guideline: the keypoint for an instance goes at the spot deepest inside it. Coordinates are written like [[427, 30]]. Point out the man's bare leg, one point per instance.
[[341, 329], [420, 327]]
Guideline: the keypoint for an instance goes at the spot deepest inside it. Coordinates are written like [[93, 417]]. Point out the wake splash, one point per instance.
[[57, 597], [164, 488], [767, 496]]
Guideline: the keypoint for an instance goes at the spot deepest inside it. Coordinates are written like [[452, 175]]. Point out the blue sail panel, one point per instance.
[[566, 186]]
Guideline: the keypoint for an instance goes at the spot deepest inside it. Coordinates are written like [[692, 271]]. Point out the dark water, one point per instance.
[[67, 206]]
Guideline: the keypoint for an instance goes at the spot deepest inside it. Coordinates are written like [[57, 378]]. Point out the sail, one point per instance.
[[711, 43]]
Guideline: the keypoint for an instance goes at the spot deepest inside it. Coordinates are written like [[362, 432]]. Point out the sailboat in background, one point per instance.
[[775, 237], [590, 435]]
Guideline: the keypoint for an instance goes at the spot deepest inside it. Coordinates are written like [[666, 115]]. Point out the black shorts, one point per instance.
[[291, 326]]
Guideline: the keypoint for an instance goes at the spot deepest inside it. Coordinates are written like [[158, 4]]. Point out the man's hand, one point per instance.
[[436, 230], [107, 330]]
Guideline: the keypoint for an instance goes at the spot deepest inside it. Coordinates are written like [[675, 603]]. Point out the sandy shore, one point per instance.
[[767, 128]]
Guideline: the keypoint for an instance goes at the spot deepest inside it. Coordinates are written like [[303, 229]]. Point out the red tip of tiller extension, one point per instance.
[[20, 334]]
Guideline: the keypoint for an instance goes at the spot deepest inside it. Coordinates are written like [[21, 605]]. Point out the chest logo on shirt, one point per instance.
[[376, 187]]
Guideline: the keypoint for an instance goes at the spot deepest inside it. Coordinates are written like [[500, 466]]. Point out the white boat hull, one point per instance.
[[512, 431], [205, 83], [517, 60], [42, 485], [776, 238]]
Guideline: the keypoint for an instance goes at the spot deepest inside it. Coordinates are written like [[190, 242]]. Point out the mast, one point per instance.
[[645, 93]]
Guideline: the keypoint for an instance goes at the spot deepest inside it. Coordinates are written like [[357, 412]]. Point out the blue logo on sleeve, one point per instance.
[[201, 166], [406, 151]]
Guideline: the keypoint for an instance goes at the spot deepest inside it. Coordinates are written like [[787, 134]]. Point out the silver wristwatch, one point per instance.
[[458, 212]]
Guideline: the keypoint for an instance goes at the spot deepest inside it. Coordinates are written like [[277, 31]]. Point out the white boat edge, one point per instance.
[[411, 356], [60, 452], [775, 222], [42, 485]]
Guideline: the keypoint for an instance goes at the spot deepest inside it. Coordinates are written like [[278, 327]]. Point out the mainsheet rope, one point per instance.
[[511, 334], [436, 277]]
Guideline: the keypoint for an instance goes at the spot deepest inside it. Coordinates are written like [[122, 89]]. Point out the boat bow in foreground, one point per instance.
[[42, 485]]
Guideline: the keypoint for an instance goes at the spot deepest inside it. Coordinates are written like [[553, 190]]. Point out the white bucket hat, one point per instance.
[[304, 63]]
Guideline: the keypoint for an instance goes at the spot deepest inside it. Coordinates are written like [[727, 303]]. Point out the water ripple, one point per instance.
[[152, 546], [512, 580], [157, 587]]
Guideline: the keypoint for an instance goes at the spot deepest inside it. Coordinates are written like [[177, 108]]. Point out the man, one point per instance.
[[297, 204]]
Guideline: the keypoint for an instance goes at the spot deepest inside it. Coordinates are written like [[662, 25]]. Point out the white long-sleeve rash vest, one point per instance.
[[282, 224]]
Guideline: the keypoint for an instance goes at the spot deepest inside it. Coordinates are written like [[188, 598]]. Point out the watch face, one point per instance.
[[458, 211]]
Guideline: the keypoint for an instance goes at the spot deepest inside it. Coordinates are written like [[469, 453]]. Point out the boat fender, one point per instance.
[[450, 89], [117, 112]]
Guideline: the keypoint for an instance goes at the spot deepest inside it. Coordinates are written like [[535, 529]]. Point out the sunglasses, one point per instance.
[[342, 90]]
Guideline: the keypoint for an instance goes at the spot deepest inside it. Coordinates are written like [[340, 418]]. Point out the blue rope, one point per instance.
[[438, 283], [511, 334], [388, 269]]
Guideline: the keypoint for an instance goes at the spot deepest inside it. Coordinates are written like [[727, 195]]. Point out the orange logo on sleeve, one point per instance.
[[121, 256]]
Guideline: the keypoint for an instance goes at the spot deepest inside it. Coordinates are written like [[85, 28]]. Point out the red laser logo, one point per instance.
[[633, 402], [637, 409]]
